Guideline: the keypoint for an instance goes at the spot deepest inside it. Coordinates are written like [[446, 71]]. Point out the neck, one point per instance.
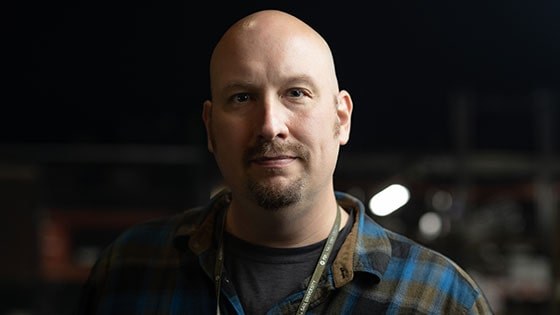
[[294, 226]]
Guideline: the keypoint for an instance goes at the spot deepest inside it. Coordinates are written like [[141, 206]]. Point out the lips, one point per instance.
[[272, 158], [271, 161]]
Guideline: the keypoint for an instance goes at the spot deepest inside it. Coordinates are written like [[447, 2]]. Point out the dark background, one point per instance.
[[100, 128], [118, 73]]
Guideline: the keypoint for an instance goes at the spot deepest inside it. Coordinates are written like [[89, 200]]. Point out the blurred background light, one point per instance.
[[442, 200], [430, 225], [389, 199]]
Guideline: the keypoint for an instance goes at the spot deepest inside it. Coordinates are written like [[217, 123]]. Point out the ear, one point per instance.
[[207, 118], [344, 113]]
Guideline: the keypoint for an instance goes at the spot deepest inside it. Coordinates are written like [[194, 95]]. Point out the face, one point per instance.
[[276, 119]]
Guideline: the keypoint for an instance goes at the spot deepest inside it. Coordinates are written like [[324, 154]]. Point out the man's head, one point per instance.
[[276, 118]]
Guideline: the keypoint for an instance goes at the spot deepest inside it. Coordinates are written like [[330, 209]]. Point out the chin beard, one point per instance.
[[273, 197]]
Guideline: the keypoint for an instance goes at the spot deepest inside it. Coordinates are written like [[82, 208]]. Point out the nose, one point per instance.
[[273, 119]]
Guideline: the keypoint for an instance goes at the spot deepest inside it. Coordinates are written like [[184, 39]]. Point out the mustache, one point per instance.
[[276, 147]]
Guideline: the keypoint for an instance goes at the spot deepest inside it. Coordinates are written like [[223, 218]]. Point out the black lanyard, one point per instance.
[[313, 282]]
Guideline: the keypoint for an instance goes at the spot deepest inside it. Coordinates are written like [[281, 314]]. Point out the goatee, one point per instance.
[[270, 196]]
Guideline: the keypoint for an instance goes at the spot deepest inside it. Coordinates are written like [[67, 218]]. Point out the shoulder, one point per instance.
[[158, 232], [165, 234], [434, 278], [408, 275], [144, 247], [422, 262]]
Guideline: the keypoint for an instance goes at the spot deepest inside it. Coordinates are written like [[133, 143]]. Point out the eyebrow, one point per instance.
[[293, 80], [302, 79], [238, 85]]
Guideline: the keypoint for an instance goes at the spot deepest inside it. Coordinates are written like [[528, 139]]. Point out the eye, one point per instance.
[[296, 93], [241, 98]]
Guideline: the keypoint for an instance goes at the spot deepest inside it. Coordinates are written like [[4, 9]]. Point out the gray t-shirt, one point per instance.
[[263, 276]]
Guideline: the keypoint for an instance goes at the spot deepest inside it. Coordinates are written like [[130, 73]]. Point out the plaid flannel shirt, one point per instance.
[[166, 267]]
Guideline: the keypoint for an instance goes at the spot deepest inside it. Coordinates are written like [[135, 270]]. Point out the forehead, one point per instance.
[[257, 57]]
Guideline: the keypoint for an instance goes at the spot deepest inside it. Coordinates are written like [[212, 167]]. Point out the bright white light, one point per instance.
[[389, 200], [430, 225]]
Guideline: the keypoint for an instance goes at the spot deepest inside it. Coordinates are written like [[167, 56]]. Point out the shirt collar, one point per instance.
[[366, 249], [197, 234]]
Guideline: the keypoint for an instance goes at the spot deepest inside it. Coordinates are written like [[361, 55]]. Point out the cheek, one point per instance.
[[228, 136], [317, 127], [228, 152], [322, 135]]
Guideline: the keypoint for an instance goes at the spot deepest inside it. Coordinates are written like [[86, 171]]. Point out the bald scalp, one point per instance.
[[272, 29]]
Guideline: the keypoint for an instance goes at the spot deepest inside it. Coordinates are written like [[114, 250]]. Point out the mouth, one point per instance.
[[275, 155], [273, 161]]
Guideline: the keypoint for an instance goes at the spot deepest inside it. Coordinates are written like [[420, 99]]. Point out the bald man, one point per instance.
[[279, 239]]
